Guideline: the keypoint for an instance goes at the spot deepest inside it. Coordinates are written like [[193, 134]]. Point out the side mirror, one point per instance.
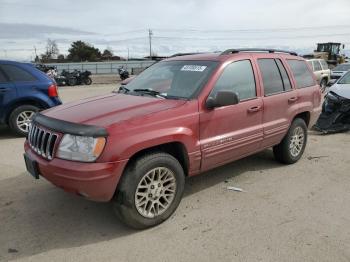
[[222, 98], [331, 82]]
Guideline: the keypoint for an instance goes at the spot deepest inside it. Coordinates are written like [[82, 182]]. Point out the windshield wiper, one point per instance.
[[149, 92]]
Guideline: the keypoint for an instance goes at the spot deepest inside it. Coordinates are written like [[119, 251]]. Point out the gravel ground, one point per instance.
[[299, 212]]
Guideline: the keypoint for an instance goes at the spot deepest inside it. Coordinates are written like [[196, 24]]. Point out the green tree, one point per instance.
[[107, 54], [60, 58], [81, 51]]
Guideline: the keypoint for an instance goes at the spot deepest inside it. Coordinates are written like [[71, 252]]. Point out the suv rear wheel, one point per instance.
[[293, 144], [150, 190], [20, 118]]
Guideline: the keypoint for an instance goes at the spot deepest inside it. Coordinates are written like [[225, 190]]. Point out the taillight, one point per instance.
[[52, 91]]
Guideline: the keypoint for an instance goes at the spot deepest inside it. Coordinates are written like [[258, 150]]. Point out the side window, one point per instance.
[[310, 64], [286, 81], [301, 72], [2, 78], [317, 66], [324, 65], [237, 77], [17, 74], [271, 76]]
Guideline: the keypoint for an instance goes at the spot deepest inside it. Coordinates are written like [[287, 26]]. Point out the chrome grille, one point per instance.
[[42, 141]]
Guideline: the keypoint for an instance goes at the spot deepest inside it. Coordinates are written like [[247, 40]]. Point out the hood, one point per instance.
[[341, 90], [110, 109]]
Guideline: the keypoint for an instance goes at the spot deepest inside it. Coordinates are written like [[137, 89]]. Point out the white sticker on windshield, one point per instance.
[[193, 68]]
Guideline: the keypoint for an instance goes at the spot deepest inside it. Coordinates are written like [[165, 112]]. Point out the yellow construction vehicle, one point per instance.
[[330, 52]]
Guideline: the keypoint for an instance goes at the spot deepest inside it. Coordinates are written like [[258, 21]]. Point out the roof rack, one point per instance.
[[183, 54], [238, 50]]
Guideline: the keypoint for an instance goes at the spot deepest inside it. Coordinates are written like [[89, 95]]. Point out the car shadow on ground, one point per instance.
[[6, 133], [263, 160], [37, 217]]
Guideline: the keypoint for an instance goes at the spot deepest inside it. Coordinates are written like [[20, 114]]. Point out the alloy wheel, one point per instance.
[[155, 192], [297, 141], [24, 119]]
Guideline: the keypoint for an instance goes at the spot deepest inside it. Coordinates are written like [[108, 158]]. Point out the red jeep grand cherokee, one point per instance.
[[178, 118]]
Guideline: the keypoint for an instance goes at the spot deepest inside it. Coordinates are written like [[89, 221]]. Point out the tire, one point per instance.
[[20, 118], [72, 81], [136, 185], [87, 81], [286, 154], [323, 84]]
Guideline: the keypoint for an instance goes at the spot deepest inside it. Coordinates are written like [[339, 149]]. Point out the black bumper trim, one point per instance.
[[66, 127]]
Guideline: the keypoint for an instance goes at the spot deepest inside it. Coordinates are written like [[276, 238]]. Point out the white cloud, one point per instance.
[[215, 25]]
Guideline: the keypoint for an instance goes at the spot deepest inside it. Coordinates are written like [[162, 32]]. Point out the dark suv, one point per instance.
[[180, 117], [24, 90]]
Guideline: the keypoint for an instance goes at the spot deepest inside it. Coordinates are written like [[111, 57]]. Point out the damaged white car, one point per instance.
[[335, 116]]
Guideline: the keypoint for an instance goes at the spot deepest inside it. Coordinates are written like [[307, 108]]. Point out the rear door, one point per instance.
[[231, 132], [7, 93], [25, 82], [280, 99], [309, 96]]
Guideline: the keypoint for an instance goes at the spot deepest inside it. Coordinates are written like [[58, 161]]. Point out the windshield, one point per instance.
[[345, 80], [174, 79], [343, 67]]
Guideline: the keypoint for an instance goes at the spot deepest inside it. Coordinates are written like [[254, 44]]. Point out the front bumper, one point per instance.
[[95, 181]]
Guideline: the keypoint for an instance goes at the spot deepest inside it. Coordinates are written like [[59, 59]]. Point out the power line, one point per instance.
[[251, 29], [250, 39]]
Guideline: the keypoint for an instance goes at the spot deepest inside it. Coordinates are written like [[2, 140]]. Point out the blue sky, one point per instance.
[[178, 26]]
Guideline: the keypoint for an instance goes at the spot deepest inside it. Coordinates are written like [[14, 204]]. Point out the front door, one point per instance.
[[231, 132]]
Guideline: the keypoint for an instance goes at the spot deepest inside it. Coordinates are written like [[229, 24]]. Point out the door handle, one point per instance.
[[293, 99], [3, 89], [254, 109]]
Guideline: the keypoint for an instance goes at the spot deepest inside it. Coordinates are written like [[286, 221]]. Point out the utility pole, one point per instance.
[[36, 55], [150, 33]]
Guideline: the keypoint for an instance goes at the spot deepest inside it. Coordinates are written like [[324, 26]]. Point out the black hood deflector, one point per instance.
[[65, 127]]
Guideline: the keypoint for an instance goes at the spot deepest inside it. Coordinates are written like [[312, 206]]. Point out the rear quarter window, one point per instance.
[[317, 66], [17, 74], [302, 75]]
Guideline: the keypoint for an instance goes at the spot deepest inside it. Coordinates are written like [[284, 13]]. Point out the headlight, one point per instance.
[[80, 148]]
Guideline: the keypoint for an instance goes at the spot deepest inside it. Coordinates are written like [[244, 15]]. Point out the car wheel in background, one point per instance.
[[293, 144], [150, 190], [20, 119]]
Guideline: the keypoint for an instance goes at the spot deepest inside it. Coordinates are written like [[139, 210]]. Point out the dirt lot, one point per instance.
[[286, 213]]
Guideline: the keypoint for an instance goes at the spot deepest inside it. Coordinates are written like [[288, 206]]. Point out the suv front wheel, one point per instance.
[[20, 119], [293, 144], [150, 190]]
